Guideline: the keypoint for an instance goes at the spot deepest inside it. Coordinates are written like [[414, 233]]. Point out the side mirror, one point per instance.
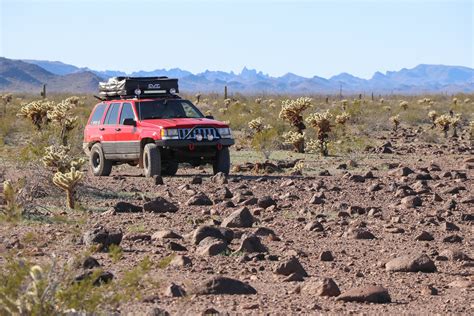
[[211, 117], [130, 122]]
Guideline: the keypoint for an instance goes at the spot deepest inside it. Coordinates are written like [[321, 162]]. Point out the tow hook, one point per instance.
[[191, 147], [219, 146]]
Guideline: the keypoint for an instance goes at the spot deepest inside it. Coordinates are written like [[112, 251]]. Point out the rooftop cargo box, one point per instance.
[[127, 86]]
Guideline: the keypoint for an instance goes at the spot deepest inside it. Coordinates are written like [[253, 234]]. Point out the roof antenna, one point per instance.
[[138, 92]]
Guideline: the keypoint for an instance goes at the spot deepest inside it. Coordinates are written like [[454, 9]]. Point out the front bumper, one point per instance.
[[187, 142]]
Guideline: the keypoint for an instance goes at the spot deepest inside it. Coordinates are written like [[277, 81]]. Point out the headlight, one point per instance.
[[225, 132], [169, 133]]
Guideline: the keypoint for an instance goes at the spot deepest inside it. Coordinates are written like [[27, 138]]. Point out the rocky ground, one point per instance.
[[391, 234]]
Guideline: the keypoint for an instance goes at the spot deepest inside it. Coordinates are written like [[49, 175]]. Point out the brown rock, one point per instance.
[[366, 294], [411, 263], [324, 287]]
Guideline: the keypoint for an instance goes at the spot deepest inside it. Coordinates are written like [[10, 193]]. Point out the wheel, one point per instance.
[[99, 165], [170, 169], [222, 162], [151, 160]]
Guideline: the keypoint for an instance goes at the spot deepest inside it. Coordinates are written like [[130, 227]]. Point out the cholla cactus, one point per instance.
[[404, 105], [73, 100], [61, 116], [10, 211], [312, 146], [291, 111], [471, 132], [433, 115], [198, 97], [342, 118], [294, 138], [454, 123], [227, 102], [57, 157], [298, 168], [37, 112], [443, 122], [344, 104], [322, 123], [382, 101], [395, 121], [67, 182], [455, 101], [6, 98], [387, 108], [467, 100], [258, 100], [257, 125]]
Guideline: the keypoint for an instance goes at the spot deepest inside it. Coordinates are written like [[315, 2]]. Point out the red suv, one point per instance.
[[141, 121]]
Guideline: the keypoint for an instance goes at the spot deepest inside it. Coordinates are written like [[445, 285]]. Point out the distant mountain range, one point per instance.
[[29, 75]]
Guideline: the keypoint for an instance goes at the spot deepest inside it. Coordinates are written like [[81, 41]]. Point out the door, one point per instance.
[[108, 130], [127, 137], [92, 133]]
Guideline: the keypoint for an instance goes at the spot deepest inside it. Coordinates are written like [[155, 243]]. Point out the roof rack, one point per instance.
[[143, 87]]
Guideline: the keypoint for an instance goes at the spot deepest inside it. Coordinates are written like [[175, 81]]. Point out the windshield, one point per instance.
[[166, 109]]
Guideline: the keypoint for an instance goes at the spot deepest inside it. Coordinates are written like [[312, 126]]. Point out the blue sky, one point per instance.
[[308, 38]]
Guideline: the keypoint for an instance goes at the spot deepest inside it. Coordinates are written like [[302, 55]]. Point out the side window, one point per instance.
[[112, 114], [98, 113], [127, 112]]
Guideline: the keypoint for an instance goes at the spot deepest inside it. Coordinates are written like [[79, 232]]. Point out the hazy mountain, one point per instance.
[[20, 76], [23, 76]]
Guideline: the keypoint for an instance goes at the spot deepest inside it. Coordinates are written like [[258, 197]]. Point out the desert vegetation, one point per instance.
[[328, 196]]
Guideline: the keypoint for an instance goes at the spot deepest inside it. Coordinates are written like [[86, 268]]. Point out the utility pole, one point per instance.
[[43, 92], [225, 92]]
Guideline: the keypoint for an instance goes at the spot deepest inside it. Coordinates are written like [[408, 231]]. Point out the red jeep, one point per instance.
[[141, 121]]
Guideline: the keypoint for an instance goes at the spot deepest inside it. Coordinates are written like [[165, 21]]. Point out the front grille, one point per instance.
[[204, 131]]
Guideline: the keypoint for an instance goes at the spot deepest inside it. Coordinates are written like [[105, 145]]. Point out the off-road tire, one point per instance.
[[170, 169], [100, 166], [222, 161], [151, 160]]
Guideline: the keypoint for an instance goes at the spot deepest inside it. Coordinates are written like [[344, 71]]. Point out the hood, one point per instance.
[[182, 123]]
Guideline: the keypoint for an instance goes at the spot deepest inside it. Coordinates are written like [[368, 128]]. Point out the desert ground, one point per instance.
[[381, 224]]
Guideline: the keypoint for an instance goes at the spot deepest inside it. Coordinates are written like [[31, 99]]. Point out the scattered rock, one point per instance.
[[251, 243], [196, 180], [324, 287], [453, 239], [455, 255], [158, 180], [90, 263], [210, 246], [211, 231], [199, 199], [102, 237], [294, 277], [174, 290], [239, 218], [412, 201], [265, 202], [125, 207], [291, 265], [165, 234], [160, 205], [429, 290], [314, 226], [181, 261], [366, 294], [462, 283], [359, 233], [411, 263], [326, 256], [219, 178], [100, 277], [424, 236], [223, 285]]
